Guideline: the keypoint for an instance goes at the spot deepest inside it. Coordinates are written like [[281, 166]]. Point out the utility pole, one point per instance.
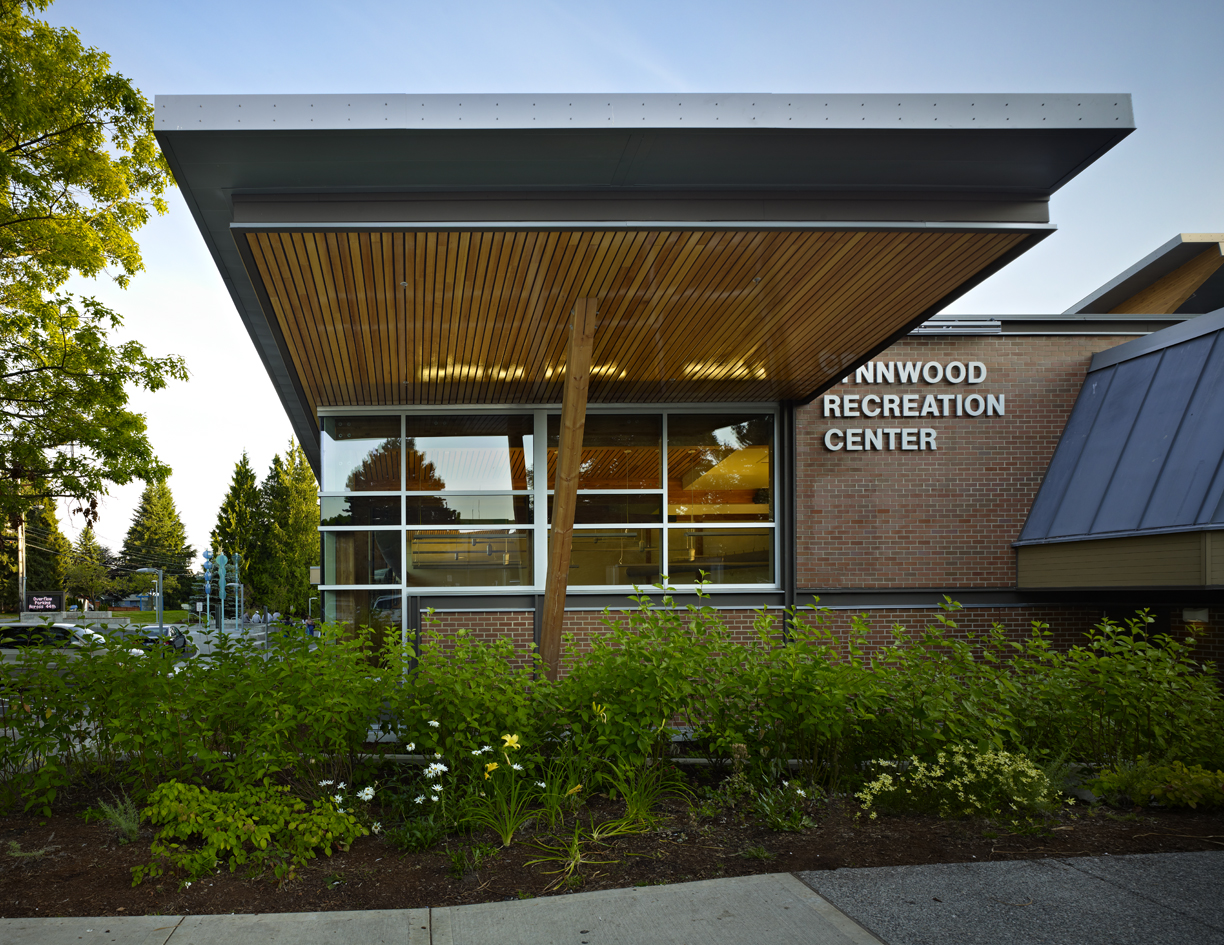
[[21, 564]]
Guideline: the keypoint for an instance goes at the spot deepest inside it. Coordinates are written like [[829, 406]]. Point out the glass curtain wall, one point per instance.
[[451, 502]]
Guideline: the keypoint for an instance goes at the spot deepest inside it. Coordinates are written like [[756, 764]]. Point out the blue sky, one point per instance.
[[1167, 177]]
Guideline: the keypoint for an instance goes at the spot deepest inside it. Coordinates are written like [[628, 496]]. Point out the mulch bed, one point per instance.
[[85, 872]]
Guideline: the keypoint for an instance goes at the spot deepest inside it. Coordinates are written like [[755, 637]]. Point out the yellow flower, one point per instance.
[[511, 741], [574, 790], [490, 768]]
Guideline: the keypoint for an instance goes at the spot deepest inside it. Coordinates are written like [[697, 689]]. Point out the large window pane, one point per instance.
[[619, 451], [469, 558], [361, 454], [359, 510], [381, 611], [614, 509], [607, 556], [726, 555], [361, 557], [469, 509], [719, 467], [469, 453]]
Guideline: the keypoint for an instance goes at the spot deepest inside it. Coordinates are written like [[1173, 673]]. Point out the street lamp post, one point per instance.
[[158, 571]]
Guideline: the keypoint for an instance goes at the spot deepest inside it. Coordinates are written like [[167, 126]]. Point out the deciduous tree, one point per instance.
[[80, 171]]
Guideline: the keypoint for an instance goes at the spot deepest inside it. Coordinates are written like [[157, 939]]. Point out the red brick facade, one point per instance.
[[1067, 624], [943, 517]]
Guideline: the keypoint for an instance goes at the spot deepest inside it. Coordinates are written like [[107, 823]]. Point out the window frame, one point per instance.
[[540, 492]]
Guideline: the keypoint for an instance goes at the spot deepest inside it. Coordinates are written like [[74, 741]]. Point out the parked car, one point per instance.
[[170, 636], [15, 637]]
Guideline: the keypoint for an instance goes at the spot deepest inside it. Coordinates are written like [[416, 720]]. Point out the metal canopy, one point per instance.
[[1143, 450], [1205, 293], [824, 226]]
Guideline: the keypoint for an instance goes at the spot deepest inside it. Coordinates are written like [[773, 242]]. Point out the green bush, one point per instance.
[[255, 826], [299, 713], [961, 782], [1173, 784]]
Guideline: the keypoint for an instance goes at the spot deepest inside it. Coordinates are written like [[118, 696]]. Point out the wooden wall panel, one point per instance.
[[405, 318], [1174, 560]]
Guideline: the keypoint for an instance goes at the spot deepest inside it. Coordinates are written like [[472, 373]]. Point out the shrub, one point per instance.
[[255, 825], [1172, 784], [961, 782]]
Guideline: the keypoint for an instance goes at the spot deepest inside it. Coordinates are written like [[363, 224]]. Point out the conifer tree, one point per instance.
[[88, 571], [240, 524], [290, 543], [48, 554], [157, 539]]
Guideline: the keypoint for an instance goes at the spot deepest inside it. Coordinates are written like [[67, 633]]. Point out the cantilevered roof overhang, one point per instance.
[[400, 250]]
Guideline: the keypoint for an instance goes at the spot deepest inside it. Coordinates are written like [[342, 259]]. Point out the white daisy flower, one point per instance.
[[437, 754], [341, 785], [517, 767], [326, 783], [412, 746], [434, 724], [419, 799], [435, 770], [339, 799], [376, 827], [434, 798], [366, 794], [541, 785]]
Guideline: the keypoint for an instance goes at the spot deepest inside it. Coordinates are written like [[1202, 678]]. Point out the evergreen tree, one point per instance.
[[240, 525], [88, 574], [290, 538], [47, 557], [157, 539], [48, 552]]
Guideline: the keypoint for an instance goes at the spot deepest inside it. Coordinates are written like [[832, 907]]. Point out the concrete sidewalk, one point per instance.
[[1164, 898]]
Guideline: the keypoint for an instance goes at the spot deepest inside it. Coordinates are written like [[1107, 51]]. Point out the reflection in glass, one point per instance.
[[726, 555], [469, 509], [612, 509], [381, 611], [608, 556], [361, 557], [619, 451], [472, 453], [718, 468], [361, 454], [359, 510], [469, 558]]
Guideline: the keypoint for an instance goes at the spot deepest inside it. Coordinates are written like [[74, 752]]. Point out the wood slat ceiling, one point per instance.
[[472, 317]]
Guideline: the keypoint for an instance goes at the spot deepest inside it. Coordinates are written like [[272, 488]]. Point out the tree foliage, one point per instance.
[[80, 171], [47, 557], [239, 522], [157, 539], [274, 526], [89, 567], [289, 500]]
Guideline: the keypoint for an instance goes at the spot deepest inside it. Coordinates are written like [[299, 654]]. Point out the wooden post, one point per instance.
[[565, 492]]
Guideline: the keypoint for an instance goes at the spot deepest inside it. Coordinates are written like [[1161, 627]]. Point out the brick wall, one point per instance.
[[944, 517], [1068, 625]]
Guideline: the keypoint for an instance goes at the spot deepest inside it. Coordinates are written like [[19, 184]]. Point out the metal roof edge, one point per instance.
[[1161, 261], [1132, 533], [1192, 328]]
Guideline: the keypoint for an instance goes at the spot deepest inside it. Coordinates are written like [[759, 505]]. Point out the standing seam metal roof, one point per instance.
[[1143, 449]]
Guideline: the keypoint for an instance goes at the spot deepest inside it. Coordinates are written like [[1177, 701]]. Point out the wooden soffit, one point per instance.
[[384, 318]]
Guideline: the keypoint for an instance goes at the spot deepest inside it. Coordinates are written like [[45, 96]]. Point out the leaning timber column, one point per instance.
[[565, 492]]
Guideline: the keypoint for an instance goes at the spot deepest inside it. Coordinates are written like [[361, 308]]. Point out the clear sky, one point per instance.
[[1166, 178]]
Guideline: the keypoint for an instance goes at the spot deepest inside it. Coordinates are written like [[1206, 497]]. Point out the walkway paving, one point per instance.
[[1162, 899]]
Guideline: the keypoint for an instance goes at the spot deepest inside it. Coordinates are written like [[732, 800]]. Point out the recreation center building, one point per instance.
[[542, 349]]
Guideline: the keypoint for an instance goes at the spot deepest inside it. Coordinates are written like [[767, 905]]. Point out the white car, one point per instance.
[[15, 637]]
